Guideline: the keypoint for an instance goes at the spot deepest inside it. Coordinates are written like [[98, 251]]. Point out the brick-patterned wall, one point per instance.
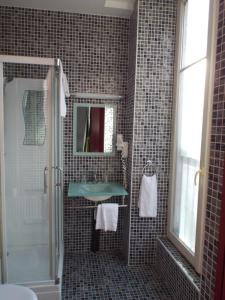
[[94, 53], [217, 153]]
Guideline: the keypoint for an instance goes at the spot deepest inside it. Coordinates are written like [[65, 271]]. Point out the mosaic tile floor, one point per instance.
[[105, 276]]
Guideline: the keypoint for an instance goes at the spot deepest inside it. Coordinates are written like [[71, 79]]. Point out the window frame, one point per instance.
[[194, 259]]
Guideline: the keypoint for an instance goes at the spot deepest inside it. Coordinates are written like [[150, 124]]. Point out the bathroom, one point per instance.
[[122, 59]]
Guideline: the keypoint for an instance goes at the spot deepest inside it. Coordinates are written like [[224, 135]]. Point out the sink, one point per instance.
[[99, 191]]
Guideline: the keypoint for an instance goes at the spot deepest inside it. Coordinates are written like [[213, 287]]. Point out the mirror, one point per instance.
[[94, 127], [34, 118]]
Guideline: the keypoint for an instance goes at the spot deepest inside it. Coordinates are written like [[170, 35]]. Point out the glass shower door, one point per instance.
[[27, 155]]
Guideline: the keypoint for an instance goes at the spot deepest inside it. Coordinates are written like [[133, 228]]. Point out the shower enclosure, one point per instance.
[[31, 189]]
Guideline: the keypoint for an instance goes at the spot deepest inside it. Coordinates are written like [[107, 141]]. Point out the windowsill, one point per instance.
[[181, 262]]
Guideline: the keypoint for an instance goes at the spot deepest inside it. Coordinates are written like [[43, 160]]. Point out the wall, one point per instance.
[[175, 272], [217, 152], [129, 119], [101, 64], [153, 97], [94, 53], [143, 232]]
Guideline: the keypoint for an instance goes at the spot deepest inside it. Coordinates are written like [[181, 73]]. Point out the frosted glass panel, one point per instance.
[[196, 31], [27, 205], [34, 118], [189, 129], [109, 129]]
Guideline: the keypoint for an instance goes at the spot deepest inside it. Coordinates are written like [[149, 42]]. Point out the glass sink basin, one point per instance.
[[98, 191]]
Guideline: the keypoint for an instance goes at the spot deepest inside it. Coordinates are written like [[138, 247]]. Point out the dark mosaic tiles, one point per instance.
[[152, 115], [216, 163], [94, 54], [183, 264], [105, 276], [176, 273]]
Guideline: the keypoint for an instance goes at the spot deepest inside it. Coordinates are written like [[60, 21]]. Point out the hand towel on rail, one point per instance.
[[148, 197], [107, 216]]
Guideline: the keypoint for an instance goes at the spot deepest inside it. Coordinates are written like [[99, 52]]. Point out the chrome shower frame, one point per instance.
[[54, 167]]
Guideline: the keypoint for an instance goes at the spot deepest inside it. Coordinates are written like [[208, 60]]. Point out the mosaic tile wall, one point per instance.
[[77, 222], [94, 53], [175, 272], [217, 153], [152, 119], [24, 33], [129, 115]]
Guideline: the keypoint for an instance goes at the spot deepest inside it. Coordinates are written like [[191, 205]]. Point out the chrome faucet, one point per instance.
[[106, 177], [95, 174], [95, 177]]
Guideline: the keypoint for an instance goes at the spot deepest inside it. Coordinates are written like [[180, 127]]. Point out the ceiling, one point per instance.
[[118, 8]]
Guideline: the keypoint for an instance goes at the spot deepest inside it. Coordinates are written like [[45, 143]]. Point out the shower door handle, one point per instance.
[[45, 180], [59, 184]]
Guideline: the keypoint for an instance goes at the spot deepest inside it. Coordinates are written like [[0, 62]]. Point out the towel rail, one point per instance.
[[94, 206], [151, 165]]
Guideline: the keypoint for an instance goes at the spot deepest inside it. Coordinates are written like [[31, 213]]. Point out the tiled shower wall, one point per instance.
[[153, 99], [216, 164], [94, 53]]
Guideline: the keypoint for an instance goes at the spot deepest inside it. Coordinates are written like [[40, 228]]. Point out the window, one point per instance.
[[191, 125]]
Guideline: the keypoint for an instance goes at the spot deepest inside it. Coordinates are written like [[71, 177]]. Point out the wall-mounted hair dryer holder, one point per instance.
[[122, 146]]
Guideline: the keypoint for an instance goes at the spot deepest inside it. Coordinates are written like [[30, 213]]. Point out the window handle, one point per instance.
[[200, 172], [45, 180]]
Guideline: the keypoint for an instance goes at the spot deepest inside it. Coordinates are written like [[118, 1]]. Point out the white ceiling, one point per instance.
[[119, 8]]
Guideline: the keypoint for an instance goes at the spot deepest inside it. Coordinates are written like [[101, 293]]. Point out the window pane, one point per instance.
[[196, 31], [189, 128], [108, 131]]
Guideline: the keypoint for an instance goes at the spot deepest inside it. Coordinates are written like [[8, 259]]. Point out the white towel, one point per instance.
[[62, 96], [64, 91], [65, 85], [107, 217], [148, 197]]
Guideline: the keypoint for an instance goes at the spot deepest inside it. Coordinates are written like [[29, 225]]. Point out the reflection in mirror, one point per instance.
[[83, 119], [108, 130], [34, 119], [94, 127]]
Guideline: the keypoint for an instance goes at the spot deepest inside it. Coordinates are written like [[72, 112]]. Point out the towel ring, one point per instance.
[[153, 167]]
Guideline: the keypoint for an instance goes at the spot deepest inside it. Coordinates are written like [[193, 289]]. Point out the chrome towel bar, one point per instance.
[[94, 206]]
